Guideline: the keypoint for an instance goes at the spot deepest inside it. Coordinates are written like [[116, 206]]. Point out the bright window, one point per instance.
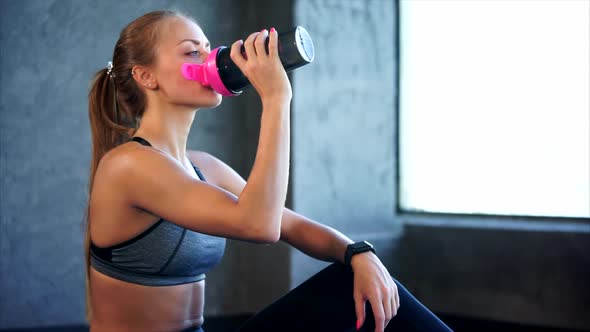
[[495, 107]]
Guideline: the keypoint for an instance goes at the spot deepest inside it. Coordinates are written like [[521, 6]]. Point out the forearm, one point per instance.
[[263, 197], [318, 241]]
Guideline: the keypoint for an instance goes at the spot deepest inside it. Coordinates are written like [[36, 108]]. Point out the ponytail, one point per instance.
[[116, 103], [107, 133]]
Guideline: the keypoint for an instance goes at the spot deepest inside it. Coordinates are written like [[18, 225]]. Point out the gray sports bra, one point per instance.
[[164, 254]]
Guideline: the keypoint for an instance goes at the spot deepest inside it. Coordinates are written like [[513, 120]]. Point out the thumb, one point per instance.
[[236, 55], [359, 305]]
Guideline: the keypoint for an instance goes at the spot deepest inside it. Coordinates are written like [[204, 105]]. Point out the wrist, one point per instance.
[[360, 257], [276, 102]]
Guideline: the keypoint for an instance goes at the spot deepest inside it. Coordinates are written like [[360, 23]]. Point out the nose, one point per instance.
[[205, 52]]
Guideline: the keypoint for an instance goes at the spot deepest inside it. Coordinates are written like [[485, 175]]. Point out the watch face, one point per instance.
[[361, 245], [357, 248]]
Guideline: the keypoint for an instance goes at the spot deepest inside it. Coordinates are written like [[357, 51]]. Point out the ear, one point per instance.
[[144, 77]]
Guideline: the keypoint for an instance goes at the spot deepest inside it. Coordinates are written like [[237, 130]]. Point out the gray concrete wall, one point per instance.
[[48, 53], [531, 271], [343, 124], [254, 289]]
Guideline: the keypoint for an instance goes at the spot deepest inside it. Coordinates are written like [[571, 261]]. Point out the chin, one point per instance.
[[213, 105], [210, 102], [211, 98], [202, 99], [217, 100]]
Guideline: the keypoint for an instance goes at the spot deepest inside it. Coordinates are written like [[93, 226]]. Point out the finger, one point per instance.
[[387, 307], [359, 306], [259, 43], [394, 302], [236, 54], [378, 313], [396, 295], [249, 45], [393, 306], [273, 43]]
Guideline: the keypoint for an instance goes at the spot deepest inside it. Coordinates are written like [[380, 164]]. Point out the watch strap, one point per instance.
[[350, 251]]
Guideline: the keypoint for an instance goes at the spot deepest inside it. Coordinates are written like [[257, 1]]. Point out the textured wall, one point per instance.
[[344, 167], [48, 53], [255, 289], [343, 124]]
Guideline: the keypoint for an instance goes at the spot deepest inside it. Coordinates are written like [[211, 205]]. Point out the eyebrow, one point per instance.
[[196, 42]]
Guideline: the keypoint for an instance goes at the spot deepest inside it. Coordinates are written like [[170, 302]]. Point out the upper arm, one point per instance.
[[228, 179], [157, 183]]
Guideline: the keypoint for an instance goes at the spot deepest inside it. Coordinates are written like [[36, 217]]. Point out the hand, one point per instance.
[[264, 71], [373, 282]]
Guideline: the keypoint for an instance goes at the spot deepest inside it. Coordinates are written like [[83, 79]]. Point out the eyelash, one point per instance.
[[190, 53]]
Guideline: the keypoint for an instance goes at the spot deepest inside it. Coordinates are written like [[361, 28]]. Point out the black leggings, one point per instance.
[[325, 303]]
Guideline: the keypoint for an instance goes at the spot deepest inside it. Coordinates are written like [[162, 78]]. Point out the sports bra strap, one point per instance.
[[140, 140], [201, 176]]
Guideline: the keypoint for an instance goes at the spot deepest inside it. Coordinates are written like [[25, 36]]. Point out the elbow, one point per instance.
[[268, 236], [274, 237], [263, 235], [260, 225]]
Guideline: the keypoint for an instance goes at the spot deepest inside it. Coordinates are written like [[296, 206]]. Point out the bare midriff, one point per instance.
[[121, 306]]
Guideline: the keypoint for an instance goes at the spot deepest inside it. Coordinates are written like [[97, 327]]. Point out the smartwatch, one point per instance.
[[356, 248]]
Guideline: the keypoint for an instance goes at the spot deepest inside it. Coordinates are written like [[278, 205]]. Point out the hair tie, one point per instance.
[[115, 104], [110, 69]]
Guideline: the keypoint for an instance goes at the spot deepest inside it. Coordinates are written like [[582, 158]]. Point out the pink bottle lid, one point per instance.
[[207, 74]]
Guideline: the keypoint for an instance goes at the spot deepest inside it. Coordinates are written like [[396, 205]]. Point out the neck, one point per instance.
[[167, 127]]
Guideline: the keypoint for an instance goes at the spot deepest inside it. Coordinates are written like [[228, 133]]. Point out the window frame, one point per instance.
[[434, 218]]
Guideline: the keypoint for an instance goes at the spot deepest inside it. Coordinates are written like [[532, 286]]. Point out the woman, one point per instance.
[[157, 222]]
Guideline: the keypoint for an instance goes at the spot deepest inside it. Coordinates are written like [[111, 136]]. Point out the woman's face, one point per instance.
[[181, 41]]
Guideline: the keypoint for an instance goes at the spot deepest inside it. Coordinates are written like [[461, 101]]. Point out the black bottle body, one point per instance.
[[295, 50]]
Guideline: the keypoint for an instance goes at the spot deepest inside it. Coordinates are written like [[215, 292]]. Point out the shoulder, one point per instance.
[[128, 156], [139, 174], [129, 161]]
